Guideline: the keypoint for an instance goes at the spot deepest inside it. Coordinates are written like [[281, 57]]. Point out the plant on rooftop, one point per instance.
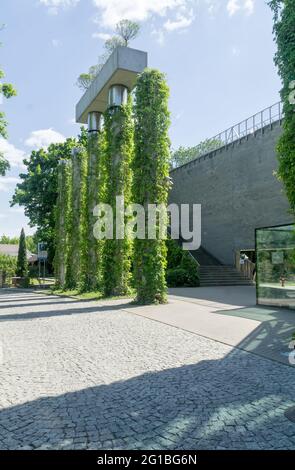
[[126, 31]]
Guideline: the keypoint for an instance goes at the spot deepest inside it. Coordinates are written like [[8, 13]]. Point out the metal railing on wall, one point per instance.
[[257, 122]]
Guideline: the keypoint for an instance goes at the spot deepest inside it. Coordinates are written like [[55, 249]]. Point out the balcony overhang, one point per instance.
[[122, 68]]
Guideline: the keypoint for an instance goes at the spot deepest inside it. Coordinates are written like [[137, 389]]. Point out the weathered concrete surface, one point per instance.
[[86, 375], [122, 68], [238, 191]]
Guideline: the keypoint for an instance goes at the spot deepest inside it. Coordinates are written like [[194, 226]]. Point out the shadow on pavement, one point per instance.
[[236, 402]]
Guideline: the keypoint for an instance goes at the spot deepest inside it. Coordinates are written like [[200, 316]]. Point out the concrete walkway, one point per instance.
[[225, 314], [103, 375]]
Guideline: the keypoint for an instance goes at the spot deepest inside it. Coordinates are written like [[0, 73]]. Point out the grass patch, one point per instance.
[[85, 295]]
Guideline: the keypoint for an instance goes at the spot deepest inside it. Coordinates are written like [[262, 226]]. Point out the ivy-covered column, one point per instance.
[[62, 213], [92, 248], [76, 219], [284, 31], [119, 152], [151, 181]]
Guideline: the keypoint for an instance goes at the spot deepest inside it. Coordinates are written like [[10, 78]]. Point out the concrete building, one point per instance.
[[237, 188]]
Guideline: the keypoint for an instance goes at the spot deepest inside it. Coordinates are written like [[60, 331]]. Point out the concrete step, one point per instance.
[[222, 276], [224, 283]]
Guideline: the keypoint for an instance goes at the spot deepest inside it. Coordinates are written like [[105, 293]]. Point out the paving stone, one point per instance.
[[79, 375]]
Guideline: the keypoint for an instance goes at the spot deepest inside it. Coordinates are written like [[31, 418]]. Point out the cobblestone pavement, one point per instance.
[[86, 375]]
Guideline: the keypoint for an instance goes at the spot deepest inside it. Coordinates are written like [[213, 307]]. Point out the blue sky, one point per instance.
[[217, 54]]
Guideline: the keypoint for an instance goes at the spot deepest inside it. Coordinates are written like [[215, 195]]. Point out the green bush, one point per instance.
[[7, 268], [23, 282], [182, 268]]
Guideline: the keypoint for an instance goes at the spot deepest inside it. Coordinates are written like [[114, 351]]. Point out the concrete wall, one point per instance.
[[238, 193]]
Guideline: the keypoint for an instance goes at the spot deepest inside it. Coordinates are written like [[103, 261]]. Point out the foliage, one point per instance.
[[22, 261], [85, 79], [30, 241], [76, 218], [126, 31], [111, 44], [7, 265], [61, 217], [37, 192], [119, 153], [186, 154], [182, 269], [92, 248], [151, 180], [284, 32], [7, 90]]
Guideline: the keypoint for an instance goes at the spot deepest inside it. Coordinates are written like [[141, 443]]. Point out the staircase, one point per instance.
[[220, 275]]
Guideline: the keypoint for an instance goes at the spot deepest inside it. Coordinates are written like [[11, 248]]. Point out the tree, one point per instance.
[[284, 27], [111, 44], [30, 241], [186, 154], [151, 181], [22, 261], [37, 192], [127, 30], [6, 90], [85, 79]]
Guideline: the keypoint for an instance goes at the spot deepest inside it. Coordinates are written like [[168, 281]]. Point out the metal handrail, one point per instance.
[[266, 117]]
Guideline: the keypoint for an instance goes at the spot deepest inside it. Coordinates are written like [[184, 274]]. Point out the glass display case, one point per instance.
[[275, 266]]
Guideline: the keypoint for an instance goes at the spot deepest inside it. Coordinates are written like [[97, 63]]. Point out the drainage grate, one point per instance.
[[290, 414]]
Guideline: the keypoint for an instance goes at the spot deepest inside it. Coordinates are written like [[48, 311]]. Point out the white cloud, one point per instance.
[[249, 6], [43, 138], [233, 6], [55, 42], [103, 36], [7, 181], [54, 6], [181, 22], [14, 155], [159, 35], [235, 51], [112, 11]]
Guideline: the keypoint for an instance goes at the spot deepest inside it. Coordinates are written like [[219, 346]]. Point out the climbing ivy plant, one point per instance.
[[62, 214], [284, 32], [92, 248], [76, 218], [119, 130], [151, 180]]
